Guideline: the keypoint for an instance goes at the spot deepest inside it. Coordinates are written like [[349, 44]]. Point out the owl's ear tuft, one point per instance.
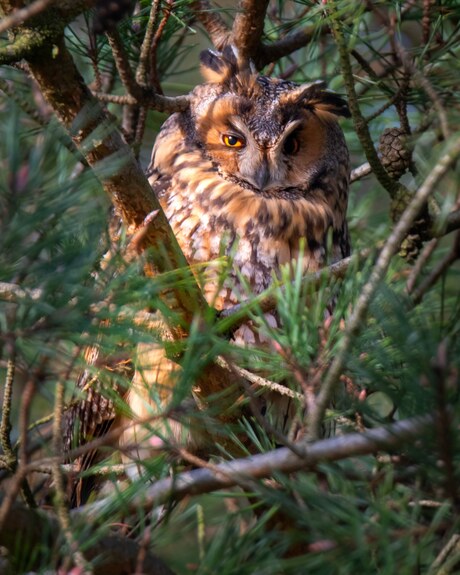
[[218, 67], [315, 97]]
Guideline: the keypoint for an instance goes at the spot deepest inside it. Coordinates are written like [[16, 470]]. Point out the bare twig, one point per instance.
[[248, 27], [359, 121], [360, 172], [5, 425], [213, 23], [123, 65], [155, 81], [20, 16], [153, 101], [143, 65], [356, 320], [438, 271], [259, 381], [447, 558], [420, 264], [427, 87]]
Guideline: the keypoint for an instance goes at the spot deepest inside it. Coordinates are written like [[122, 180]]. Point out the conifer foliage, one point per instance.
[[370, 483]]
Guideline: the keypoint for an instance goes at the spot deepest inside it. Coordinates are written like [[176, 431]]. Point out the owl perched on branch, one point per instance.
[[257, 168]]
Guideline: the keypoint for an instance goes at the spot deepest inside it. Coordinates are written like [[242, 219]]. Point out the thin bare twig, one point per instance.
[[438, 271], [153, 101], [360, 172], [421, 262], [427, 87], [5, 425], [155, 81], [143, 65], [447, 558], [20, 16], [359, 121], [123, 65]]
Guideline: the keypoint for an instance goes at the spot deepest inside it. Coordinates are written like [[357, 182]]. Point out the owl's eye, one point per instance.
[[291, 145], [233, 141]]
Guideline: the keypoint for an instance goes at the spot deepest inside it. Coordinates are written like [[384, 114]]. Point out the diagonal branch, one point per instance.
[[20, 16], [264, 465], [63, 87], [212, 23]]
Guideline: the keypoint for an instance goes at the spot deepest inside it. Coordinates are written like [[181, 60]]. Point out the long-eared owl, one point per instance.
[[257, 167]]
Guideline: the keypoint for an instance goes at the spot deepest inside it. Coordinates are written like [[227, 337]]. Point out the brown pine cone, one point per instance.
[[395, 155]]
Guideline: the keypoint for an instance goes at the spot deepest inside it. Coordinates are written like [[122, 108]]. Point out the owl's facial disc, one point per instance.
[[261, 147]]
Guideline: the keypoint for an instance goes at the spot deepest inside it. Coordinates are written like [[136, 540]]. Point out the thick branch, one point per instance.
[[248, 27], [94, 131], [264, 465]]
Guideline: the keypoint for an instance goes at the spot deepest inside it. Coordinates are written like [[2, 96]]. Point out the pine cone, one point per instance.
[[395, 155], [108, 13]]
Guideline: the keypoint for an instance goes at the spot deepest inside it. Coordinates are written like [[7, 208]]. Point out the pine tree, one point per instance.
[[372, 486]]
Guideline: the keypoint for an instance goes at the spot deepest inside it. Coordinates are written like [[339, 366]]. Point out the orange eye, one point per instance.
[[233, 141]]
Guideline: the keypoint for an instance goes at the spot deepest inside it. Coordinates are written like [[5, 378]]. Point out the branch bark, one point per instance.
[[132, 196], [264, 465]]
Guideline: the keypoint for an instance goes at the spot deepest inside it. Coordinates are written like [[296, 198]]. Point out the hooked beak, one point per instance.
[[259, 176]]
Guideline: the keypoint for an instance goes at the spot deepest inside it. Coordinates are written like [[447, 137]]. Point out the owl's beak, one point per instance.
[[262, 176]]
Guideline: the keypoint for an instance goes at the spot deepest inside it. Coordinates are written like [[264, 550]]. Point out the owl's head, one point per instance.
[[267, 134]]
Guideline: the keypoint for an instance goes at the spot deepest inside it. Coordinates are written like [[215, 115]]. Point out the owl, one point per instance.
[[256, 169]]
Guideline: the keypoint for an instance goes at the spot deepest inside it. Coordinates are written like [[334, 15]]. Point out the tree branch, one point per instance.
[[264, 465], [64, 89], [248, 28], [20, 16], [152, 101], [267, 53], [212, 23]]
